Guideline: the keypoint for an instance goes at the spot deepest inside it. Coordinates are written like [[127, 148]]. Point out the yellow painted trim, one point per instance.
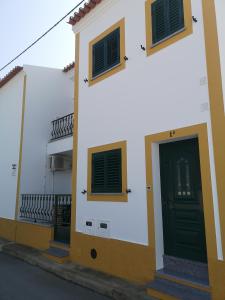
[[7, 229], [121, 65], [218, 291], [216, 104], [160, 295], [75, 133], [21, 147], [171, 40], [201, 132], [107, 197]]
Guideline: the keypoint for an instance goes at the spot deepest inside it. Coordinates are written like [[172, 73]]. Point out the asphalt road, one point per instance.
[[21, 281]]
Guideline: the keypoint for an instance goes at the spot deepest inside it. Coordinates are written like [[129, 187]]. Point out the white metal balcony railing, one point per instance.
[[62, 127]]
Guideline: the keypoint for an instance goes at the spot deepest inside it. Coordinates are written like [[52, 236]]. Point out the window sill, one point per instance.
[[107, 197], [168, 37], [120, 66], [106, 194], [106, 71]]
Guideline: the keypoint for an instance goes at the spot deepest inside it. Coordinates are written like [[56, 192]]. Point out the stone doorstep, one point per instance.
[[166, 289], [187, 267], [99, 282]]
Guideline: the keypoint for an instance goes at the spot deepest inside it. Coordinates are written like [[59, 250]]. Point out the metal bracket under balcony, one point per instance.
[[62, 127]]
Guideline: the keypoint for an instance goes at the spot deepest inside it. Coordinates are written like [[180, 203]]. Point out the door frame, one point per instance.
[[155, 229]]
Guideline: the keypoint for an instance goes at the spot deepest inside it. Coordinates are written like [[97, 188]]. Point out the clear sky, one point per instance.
[[21, 22]]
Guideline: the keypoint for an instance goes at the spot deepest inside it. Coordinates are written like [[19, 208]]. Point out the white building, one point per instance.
[[148, 188], [148, 147], [36, 112]]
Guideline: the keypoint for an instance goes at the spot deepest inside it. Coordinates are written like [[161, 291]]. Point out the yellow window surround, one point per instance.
[[117, 68], [120, 197], [187, 30]]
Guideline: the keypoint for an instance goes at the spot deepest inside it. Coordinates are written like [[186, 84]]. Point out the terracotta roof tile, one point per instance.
[[69, 67], [10, 75], [83, 11]]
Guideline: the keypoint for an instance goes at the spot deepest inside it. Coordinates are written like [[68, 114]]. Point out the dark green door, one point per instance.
[[182, 208]]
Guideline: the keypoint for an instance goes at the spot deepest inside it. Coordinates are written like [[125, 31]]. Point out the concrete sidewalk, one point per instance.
[[22, 281], [101, 283]]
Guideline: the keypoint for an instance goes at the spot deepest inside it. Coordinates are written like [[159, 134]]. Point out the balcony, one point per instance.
[[61, 137], [49, 209], [62, 127]]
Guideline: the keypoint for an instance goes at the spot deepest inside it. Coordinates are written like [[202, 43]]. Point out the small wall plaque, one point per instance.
[[14, 168]]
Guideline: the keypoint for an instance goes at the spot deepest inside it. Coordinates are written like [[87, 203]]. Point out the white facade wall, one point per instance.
[[11, 98], [164, 91], [220, 9], [49, 96], [59, 146]]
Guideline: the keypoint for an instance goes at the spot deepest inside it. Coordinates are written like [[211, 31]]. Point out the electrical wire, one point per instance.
[[44, 34]]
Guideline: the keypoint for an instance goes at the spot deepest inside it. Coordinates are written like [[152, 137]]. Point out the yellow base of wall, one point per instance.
[[122, 259], [131, 261], [33, 235], [7, 229]]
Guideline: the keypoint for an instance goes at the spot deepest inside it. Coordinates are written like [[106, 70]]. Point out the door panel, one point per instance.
[[182, 209]]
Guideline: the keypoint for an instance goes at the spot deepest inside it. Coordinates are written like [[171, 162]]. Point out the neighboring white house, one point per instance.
[[36, 112], [11, 103], [149, 182]]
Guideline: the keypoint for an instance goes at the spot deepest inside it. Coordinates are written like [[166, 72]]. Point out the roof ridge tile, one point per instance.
[[83, 11]]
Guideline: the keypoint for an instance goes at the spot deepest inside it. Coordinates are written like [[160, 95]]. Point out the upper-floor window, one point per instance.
[[107, 52], [167, 21], [167, 18]]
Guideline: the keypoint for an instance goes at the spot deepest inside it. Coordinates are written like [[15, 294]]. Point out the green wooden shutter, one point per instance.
[[114, 171], [106, 53], [159, 24], [98, 58], [113, 48], [176, 15], [98, 172], [107, 172], [167, 18]]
